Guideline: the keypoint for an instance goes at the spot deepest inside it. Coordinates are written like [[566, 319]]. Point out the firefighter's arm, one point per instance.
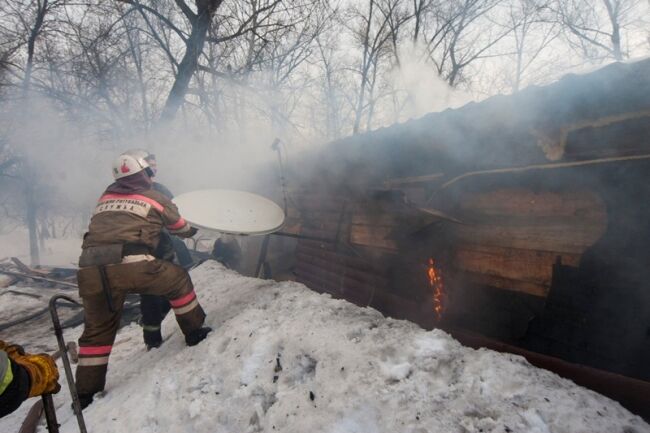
[[174, 222], [41, 368], [14, 385], [23, 375]]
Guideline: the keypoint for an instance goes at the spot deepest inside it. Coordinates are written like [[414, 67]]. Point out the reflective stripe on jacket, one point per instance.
[[136, 218]]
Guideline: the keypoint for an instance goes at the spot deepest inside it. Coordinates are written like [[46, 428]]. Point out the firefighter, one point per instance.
[[154, 308], [117, 259], [23, 375]]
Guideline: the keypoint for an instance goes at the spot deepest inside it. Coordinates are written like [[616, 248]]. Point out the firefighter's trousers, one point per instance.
[[150, 276], [153, 310]]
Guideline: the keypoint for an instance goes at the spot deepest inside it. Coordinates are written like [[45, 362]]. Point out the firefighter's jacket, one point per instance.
[[134, 218], [14, 384]]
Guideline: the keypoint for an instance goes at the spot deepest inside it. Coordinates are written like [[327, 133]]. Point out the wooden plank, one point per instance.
[[69, 286], [628, 135], [377, 236], [507, 268], [559, 238], [27, 270], [358, 296], [517, 234], [416, 217], [324, 234], [335, 254], [534, 289], [527, 202], [339, 277], [331, 283], [324, 224], [309, 281], [384, 219], [321, 203], [315, 244], [388, 303], [340, 268]]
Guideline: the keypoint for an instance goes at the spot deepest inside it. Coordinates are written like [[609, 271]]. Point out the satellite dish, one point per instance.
[[228, 211]]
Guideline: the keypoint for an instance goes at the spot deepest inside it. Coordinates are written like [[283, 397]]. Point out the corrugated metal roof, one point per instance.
[[501, 131]]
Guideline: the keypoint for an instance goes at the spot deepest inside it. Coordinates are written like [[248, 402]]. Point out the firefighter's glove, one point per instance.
[[43, 374], [13, 350], [41, 368]]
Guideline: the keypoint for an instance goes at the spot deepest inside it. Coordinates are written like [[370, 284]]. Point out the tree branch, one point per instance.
[[242, 30], [186, 10], [140, 7]]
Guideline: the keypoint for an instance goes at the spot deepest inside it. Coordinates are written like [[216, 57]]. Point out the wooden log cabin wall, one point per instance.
[[526, 218]]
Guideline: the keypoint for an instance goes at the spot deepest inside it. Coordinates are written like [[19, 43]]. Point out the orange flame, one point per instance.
[[435, 281]]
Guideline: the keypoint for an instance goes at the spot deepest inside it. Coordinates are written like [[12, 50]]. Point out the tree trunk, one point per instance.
[[31, 43], [30, 202], [187, 67], [613, 13], [616, 42], [31, 208], [365, 67], [137, 60]]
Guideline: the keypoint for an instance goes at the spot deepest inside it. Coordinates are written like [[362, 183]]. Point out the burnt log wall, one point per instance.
[[349, 249], [510, 237], [598, 311], [497, 236]]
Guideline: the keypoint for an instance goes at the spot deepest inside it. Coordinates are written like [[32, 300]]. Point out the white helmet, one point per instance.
[[127, 164], [147, 156], [139, 153]]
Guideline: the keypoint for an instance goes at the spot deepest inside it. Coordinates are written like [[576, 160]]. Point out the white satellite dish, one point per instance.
[[228, 211]]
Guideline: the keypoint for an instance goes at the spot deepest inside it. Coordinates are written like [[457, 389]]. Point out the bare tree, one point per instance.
[[372, 34], [457, 33], [596, 27], [260, 25], [468, 39], [30, 18], [198, 20], [42, 7], [398, 16], [531, 35], [258, 55], [332, 86], [67, 60], [138, 49]]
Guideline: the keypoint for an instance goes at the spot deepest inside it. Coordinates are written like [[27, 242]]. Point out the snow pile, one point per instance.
[[283, 358]]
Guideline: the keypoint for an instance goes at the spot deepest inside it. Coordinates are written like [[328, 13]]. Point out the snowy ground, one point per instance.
[[285, 359]]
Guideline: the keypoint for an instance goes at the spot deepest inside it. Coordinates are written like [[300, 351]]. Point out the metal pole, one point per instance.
[[262, 257], [76, 406], [50, 414], [283, 182]]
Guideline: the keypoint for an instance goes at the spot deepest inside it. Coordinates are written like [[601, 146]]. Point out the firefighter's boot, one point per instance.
[[152, 338], [195, 337]]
